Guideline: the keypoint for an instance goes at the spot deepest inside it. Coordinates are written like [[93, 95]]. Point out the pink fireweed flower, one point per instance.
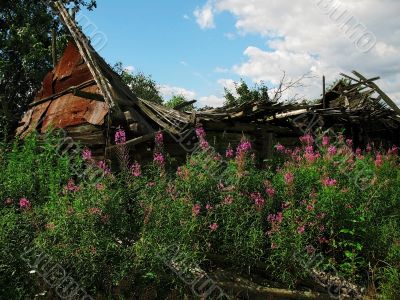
[[228, 200], [329, 182], [8, 201], [258, 200], [229, 152], [196, 210], [289, 178], [209, 206], [100, 187], [307, 139], [323, 240], [213, 226], [309, 149], [103, 166], [243, 147], [94, 211], [24, 203], [349, 142], [200, 133], [159, 138], [136, 170], [280, 148], [158, 158], [332, 150], [310, 207], [394, 150], [279, 217], [300, 229], [369, 148], [270, 191], [71, 186], [86, 154], [378, 160], [120, 137], [325, 141], [204, 144]]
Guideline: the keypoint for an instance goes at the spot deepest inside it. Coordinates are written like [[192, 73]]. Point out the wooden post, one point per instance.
[[54, 44], [267, 144], [323, 92]]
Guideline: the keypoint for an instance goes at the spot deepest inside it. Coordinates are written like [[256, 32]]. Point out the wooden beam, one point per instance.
[[184, 104], [132, 142], [87, 95], [385, 97]]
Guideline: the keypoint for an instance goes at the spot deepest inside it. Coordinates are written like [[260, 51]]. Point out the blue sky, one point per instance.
[[162, 38], [196, 48]]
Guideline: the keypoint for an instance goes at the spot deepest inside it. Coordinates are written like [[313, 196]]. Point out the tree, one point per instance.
[[246, 95], [25, 54], [142, 85], [178, 100]]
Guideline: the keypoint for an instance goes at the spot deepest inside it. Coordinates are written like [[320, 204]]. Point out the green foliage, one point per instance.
[[178, 100], [327, 209], [142, 85], [245, 94], [25, 55]]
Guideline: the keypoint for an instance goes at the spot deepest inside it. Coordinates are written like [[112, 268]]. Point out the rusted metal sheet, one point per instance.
[[71, 70], [70, 110], [32, 119]]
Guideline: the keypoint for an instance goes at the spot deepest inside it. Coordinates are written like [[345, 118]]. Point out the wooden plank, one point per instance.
[[385, 97]]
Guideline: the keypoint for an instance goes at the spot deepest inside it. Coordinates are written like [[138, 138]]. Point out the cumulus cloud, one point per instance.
[[211, 100], [205, 16], [167, 92], [322, 37]]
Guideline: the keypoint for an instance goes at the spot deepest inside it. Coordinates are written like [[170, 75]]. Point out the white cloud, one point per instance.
[[211, 100], [314, 37], [229, 84], [168, 92], [186, 17], [205, 16], [129, 69]]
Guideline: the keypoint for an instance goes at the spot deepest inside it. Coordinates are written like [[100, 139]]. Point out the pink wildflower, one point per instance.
[[300, 229], [86, 154], [243, 147], [229, 152], [369, 148], [71, 186], [258, 200], [321, 228], [325, 141], [159, 138], [228, 200], [289, 178], [103, 166], [378, 160], [24, 203], [95, 211], [159, 158], [323, 240], [280, 148], [209, 206], [204, 144], [349, 142], [213, 226], [307, 139], [358, 151], [136, 170], [330, 182], [332, 150], [310, 207], [100, 187], [196, 210], [120, 137], [309, 149], [200, 132], [270, 192]]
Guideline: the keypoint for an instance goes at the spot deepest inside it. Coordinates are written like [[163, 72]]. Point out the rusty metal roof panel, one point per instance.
[[71, 110]]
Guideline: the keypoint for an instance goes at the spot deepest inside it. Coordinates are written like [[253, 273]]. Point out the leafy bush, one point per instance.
[[141, 227]]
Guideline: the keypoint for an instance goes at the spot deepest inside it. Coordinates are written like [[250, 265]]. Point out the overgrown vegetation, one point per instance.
[[112, 232], [244, 94]]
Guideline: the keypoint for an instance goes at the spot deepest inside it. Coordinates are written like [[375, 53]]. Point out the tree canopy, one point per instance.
[[244, 94], [177, 100], [25, 54], [142, 85]]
